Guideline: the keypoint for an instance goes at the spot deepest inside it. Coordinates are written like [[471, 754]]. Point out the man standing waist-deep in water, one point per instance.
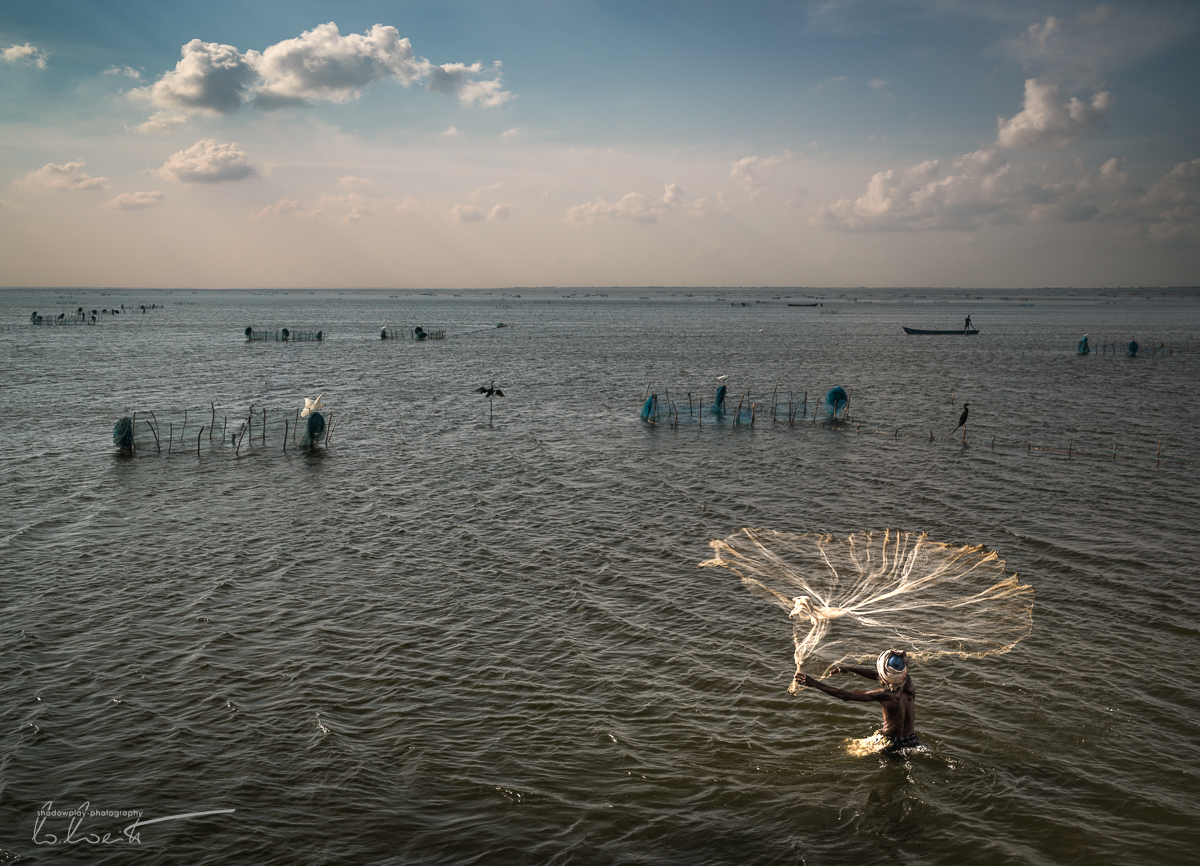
[[897, 699]]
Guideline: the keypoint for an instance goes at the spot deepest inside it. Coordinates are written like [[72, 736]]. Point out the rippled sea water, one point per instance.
[[444, 640]]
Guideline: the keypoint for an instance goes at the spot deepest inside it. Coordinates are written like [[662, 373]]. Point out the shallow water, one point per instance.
[[440, 640]]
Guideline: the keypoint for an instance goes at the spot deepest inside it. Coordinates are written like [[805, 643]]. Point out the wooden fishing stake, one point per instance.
[[328, 431], [264, 425], [774, 402], [752, 408], [184, 427], [157, 444], [993, 443], [930, 435], [804, 414], [198, 435], [846, 411], [647, 394], [1070, 446], [689, 404], [1158, 454], [285, 434], [213, 421], [170, 437], [1114, 453], [737, 419], [224, 424]]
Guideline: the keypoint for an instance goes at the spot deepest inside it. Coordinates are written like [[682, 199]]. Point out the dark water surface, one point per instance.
[[447, 641]]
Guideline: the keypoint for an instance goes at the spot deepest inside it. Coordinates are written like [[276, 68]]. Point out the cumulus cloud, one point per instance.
[[322, 64], [452, 132], [318, 65], [127, 71], [352, 181], [1169, 213], [69, 176], [160, 121], [705, 207], [136, 200], [510, 134], [408, 206], [978, 188], [751, 172], [288, 207], [207, 161], [491, 187], [358, 207], [463, 80], [26, 53], [1045, 120], [211, 77], [1086, 48], [636, 207], [465, 213], [500, 211], [974, 190]]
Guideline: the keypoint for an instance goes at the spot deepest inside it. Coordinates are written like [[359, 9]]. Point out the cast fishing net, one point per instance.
[[850, 598]]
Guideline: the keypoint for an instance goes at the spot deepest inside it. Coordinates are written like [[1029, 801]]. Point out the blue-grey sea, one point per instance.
[[469, 631]]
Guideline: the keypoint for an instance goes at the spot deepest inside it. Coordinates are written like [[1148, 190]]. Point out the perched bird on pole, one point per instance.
[[962, 419]]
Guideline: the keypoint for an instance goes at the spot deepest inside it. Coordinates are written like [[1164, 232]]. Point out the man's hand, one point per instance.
[[805, 679], [836, 669]]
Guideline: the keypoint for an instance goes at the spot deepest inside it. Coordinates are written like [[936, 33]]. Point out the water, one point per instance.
[[447, 641]]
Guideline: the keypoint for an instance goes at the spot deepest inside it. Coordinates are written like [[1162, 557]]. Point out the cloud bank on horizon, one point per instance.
[[804, 163]]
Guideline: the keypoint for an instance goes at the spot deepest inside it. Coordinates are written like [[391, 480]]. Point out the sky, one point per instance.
[[534, 143]]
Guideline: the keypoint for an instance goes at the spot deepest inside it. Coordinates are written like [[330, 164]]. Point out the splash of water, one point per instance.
[[850, 598]]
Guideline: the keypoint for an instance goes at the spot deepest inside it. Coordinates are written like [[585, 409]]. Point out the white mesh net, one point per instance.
[[850, 598]]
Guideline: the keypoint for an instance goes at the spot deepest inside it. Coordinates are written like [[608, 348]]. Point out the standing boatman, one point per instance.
[[967, 325]]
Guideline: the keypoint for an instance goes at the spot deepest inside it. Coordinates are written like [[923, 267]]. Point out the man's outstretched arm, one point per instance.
[[842, 694], [861, 670]]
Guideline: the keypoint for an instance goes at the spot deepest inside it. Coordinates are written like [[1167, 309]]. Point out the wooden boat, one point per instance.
[[813, 304], [922, 331]]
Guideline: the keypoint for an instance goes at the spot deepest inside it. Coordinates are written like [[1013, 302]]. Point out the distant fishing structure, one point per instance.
[[77, 318], [387, 332], [133, 435], [283, 335], [748, 408]]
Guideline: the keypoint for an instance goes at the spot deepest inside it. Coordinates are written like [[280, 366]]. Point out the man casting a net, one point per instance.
[[896, 698]]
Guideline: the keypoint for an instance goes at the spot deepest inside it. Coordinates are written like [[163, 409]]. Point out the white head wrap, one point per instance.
[[889, 675]]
